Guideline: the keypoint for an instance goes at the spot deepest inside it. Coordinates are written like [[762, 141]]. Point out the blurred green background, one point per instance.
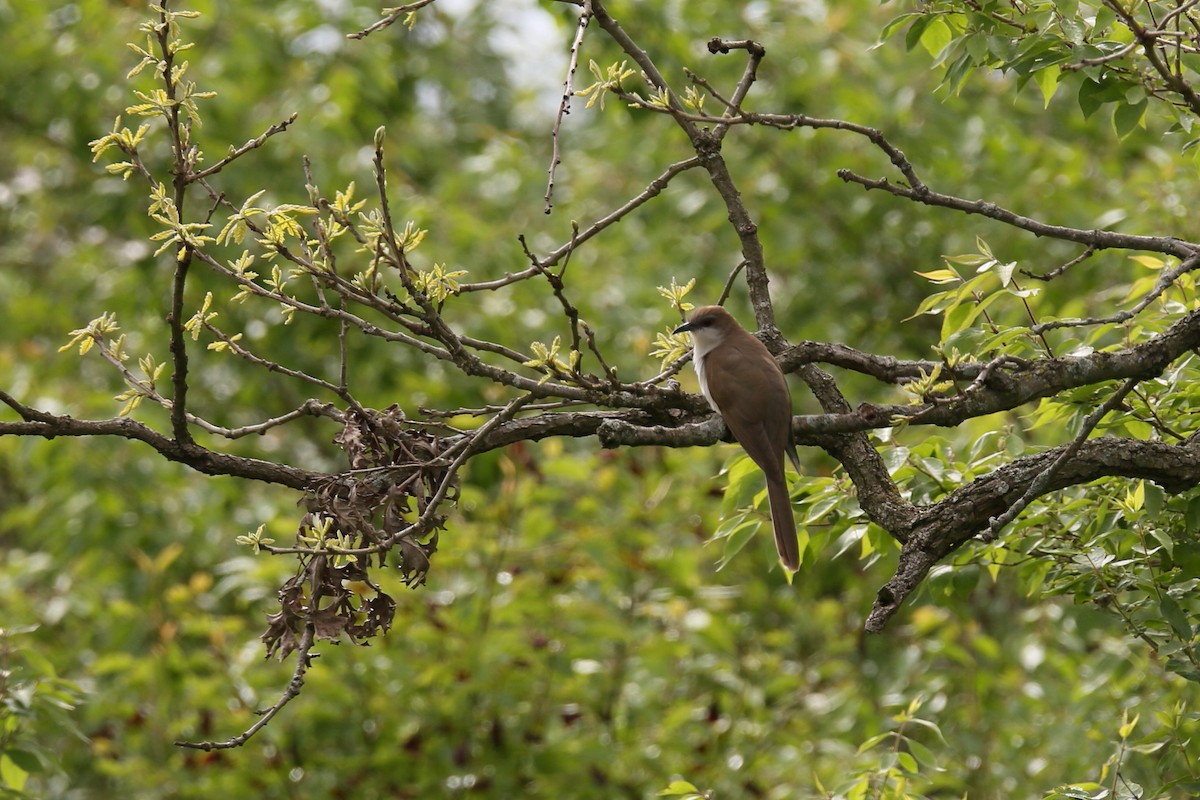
[[575, 639]]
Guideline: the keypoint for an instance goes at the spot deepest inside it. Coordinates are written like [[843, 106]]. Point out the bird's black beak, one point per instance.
[[684, 328]]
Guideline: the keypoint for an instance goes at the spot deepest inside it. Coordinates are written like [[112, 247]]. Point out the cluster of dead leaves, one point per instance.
[[383, 505]]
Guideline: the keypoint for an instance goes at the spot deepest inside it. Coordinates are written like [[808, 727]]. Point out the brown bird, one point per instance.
[[741, 381]]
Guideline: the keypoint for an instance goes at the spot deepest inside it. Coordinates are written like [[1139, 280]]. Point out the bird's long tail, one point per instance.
[[783, 521]]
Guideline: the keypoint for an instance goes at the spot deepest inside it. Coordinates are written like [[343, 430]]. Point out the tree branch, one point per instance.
[[1097, 239], [209, 462], [942, 527], [564, 103]]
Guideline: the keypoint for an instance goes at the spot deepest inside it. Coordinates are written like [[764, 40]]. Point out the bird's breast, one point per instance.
[[699, 361]]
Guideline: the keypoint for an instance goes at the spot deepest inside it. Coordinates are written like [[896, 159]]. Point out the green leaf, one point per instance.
[[1074, 31], [958, 72], [1191, 515], [679, 789], [737, 535], [1105, 17], [821, 507], [1128, 116], [1002, 339], [964, 315], [1089, 98], [895, 25], [936, 36], [874, 740], [12, 776], [920, 752], [916, 30], [1047, 81], [941, 276], [25, 760], [743, 482], [1092, 95], [1149, 262], [1175, 617], [1081, 791], [934, 304]]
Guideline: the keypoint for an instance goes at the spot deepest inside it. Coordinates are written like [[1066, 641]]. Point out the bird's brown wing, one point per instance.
[[752, 396], [760, 419]]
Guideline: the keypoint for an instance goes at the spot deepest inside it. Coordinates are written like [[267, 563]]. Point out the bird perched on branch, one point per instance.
[[741, 381]]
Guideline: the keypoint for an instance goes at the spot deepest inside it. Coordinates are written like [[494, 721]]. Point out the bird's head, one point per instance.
[[708, 325]]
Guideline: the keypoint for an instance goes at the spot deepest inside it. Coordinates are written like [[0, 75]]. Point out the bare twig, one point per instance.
[[338, 389], [209, 462], [733, 273], [1166, 280], [389, 18], [238, 152], [609, 372], [652, 190], [707, 146], [1062, 268], [1099, 239], [795, 121], [1037, 487], [734, 105], [564, 104], [304, 659], [309, 408]]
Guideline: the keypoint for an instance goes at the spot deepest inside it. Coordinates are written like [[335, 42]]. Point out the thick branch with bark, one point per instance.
[[939, 529]]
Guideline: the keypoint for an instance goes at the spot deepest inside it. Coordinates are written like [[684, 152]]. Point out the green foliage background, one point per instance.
[[575, 639]]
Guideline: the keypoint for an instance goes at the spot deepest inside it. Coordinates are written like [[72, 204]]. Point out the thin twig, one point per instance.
[[309, 408], [652, 190], [712, 92], [1153, 418], [338, 389], [237, 153], [304, 659], [733, 107], [209, 462], [1059, 270], [488, 410], [793, 122], [609, 371], [1166, 280], [1038, 485], [1149, 43], [574, 323], [708, 150], [564, 105], [392, 14], [1100, 239], [1115, 55], [180, 174], [725, 292], [1033, 323]]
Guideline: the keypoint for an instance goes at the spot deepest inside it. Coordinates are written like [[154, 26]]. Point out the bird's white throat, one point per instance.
[[703, 342]]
